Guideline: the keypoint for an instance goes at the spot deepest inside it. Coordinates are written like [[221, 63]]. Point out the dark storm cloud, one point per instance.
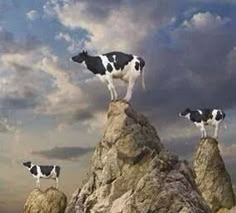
[[183, 147], [64, 153], [100, 8], [9, 44], [27, 94], [159, 11], [185, 66], [15, 102], [190, 69], [81, 115]]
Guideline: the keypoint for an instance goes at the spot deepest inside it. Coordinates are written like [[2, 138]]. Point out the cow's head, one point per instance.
[[27, 164], [185, 113], [80, 58]]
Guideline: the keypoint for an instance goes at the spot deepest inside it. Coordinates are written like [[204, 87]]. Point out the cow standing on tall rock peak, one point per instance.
[[202, 117], [112, 65]]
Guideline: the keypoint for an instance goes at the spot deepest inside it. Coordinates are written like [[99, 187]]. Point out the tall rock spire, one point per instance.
[[132, 172], [212, 177]]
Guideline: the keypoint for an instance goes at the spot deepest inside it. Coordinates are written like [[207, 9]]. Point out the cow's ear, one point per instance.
[[86, 52], [187, 109]]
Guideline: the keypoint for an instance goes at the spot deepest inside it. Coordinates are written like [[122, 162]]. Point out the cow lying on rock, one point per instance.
[[45, 172], [112, 65], [202, 117]]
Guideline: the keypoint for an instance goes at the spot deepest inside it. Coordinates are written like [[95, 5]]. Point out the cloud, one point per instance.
[[66, 97], [64, 153], [22, 85], [205, 21], [73, 45], [229, 151], [6, 125], [191, 68], [186, 55], [34, 78], [32, 15], [10, 44], [175, 52], [109, 26]]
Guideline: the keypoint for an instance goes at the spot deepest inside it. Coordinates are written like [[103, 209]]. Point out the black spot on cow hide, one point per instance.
[[122, 59], [136, 65], [58, 170], [46, 170], [219, 116], [95, 65], [109, 67], [33, 170]]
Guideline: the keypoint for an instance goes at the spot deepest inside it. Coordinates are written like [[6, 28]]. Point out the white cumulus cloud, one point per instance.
[[32, 15], [120, 29], [205, 21], [73, 44]]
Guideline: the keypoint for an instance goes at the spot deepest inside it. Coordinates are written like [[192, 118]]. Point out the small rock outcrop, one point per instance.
[[132, 172], [224, 210], [212, 178], [51, 200]]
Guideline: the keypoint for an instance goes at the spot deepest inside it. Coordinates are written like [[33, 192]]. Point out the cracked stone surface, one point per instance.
[[132, 172], [224, 210], [212, 177], [51, 200]]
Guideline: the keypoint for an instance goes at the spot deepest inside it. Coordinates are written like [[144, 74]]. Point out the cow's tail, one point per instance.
[[143, 81], [58, 169], [142, 64], [226, 124], [224, 120]]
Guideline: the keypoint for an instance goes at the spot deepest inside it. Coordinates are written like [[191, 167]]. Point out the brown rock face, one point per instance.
[[224, 210], [49, 201], [212, 178], [132, 172]]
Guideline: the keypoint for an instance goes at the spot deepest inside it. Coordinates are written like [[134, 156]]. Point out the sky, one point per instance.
[[53, 111]]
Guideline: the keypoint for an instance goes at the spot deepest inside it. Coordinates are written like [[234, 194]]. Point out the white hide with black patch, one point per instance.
[[113, 65], [45, 172], [203, 117]]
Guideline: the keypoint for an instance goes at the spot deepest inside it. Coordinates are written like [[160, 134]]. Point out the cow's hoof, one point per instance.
[[125, 101], [118, 99]]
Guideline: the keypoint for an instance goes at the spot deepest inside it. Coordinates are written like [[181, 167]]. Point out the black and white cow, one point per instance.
[[202, 117], [112, 65], [45, 172]]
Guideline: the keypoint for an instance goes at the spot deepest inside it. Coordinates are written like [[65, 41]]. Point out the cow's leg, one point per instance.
[[130, 88], [38, 183], [202, 133], [114, 91], [216, 130], [112, 86], [111, 92], [202, 129], [104, 79], [57, 182]]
